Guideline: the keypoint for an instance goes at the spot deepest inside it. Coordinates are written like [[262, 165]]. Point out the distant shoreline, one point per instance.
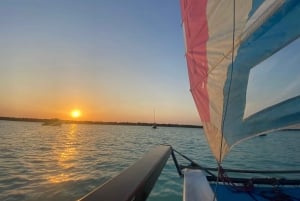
[[98, 122]]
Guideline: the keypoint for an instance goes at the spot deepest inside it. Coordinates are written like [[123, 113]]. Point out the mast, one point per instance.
[[154, 122]]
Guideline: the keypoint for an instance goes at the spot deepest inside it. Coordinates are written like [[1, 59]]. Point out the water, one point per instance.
[[64, 163]]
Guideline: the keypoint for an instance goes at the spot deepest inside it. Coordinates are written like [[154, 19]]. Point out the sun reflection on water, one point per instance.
[[65, 154]]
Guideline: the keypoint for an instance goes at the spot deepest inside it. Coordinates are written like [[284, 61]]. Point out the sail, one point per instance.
[[227, 43]]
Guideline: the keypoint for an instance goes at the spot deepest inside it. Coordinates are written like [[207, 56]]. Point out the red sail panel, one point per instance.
[[196, 35]]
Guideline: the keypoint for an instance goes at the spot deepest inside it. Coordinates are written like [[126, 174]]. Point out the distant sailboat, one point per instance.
[[52, 122], [154, 126]]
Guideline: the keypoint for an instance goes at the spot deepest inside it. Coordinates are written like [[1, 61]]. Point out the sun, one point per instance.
[[75, 113]]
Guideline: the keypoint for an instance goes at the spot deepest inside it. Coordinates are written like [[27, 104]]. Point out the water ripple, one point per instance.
[[65, 163]]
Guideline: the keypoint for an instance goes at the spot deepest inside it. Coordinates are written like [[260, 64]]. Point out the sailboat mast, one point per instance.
[[154, 123]]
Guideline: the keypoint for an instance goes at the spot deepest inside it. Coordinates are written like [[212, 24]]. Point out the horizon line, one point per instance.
[[29, 119]]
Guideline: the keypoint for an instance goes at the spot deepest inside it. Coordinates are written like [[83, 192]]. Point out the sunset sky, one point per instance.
[[112, 60]]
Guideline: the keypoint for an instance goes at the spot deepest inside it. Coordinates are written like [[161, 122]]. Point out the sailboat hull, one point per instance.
[[199, 187], [226, 193]]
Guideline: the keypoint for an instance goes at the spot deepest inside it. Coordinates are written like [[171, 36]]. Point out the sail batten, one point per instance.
[[261, 29]]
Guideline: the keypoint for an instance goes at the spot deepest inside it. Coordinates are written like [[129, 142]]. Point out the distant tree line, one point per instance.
[[97, 122]]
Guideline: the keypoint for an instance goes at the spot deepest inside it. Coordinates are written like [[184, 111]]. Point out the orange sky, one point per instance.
[[114, 62]]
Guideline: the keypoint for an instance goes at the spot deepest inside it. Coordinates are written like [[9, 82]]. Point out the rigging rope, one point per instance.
[[229, 86], [195, 164], [226, 103]]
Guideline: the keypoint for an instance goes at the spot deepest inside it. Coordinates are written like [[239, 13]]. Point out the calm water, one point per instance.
[[64, 163]]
